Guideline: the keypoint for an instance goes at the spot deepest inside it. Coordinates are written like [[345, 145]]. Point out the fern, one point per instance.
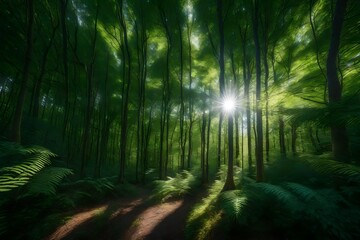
[[276, 191], [27, 169], [331, 167], [304, 193], [175, 187], [46, 181], [233, 203], [36, 159]]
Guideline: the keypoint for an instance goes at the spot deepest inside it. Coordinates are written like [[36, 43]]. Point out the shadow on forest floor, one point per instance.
[[128, 219]]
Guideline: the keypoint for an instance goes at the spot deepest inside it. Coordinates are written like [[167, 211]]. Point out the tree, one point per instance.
[[16, 126], [259, 127], [338, 132]]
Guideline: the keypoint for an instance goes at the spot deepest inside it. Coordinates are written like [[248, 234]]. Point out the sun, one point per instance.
[[228, 104]]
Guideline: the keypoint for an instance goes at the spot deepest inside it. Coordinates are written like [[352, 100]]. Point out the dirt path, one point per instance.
[[128, 219]]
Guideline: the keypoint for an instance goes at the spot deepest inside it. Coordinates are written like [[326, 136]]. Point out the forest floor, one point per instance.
[[129, 219]]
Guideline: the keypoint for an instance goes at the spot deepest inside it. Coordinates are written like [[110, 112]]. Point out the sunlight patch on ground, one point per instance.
[[75, 221], [126, 209], [152, 217]]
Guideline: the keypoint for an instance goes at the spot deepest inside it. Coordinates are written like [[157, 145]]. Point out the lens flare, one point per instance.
[[229, 104]]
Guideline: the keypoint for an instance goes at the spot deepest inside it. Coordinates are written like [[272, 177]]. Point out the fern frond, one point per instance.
[[18, 175], [233, 203], [21, 172], [332, 167], [304, 193], [178, 186], [47, 180], [276, 191]]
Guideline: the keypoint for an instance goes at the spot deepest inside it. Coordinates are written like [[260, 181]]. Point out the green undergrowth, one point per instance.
[[33, 190], [307, 197], [184, 183]]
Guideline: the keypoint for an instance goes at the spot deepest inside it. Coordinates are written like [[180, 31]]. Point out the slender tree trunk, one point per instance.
[[126, 85], [236, 118], [189, 153], [146, 146], [182, 105], [162, 132], [15, 134], [293, 138], [38, 84], [313, 30], [259, 123], [63, 6], [242, 143], [139, 129], [229, 182], [166, 95], [207, 148], [282, 136], [221, 61], [266, 79], [167, 150], [89, 70], [203, 147], [338, 132], [247, 78]]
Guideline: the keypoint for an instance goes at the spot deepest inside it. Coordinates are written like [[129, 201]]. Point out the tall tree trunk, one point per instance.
[[207, 148], [63, 6], [266, 79], [89, 70], [166, 95], [247, 79], [140, 107], [221, 60], [236, 118], [182, 105], [293, 138], [38, 84], [126, 85], [338, 132], [229, 182], [189, 153], [203, 147], [15, 134], [313, 30], [146, 146], [282, 136], [259, 124]]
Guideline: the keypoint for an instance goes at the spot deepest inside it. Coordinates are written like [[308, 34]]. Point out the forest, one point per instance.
[[180, 119]]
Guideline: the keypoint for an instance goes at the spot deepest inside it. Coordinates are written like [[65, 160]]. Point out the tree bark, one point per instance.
[[126, 86], [247, 79], [189, 153], [282, 136], [221, 60], [229, 182], [63, 6], [338, 132], [259, 123], [15, 134]]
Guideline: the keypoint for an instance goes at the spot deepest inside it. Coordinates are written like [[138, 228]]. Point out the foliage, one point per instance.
[[19, 172], [203, 218], [282, 209], [179, 186], [28, 186]]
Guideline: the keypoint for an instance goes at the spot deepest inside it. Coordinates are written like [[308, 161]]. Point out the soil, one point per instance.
[[128, 219]]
